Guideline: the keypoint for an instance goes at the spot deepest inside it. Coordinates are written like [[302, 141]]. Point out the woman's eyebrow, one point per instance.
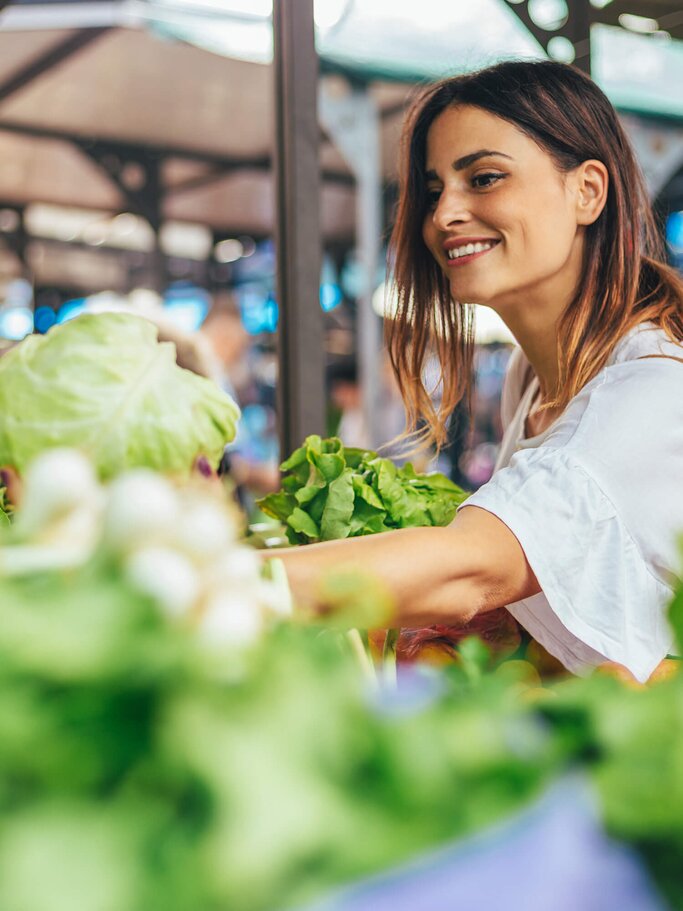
[[460, 163], [467, 160]]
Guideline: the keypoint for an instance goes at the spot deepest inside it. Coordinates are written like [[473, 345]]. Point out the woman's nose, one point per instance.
[[451, 209]]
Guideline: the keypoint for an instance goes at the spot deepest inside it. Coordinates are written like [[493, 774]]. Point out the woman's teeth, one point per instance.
[[468, 250]]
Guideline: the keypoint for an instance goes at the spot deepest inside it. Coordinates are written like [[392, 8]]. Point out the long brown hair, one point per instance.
[[624, 280]]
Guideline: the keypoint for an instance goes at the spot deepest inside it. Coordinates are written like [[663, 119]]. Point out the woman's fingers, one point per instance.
[[10, 480]]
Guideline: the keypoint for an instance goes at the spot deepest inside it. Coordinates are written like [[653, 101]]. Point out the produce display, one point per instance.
[[103, 384], [167, 733], [143, 701], [173, 736], [330, 491]]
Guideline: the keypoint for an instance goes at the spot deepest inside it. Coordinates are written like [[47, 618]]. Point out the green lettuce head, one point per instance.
[[102, 384]]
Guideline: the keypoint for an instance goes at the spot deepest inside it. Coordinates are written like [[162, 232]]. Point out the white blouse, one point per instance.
[[596, 501]]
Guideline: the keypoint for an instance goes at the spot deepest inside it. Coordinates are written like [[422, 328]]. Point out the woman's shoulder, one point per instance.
[[641, 383], [631, 410], [645, 340], [638, 397]]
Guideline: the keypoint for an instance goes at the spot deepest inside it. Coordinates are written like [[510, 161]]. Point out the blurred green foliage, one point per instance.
[[143, 771]]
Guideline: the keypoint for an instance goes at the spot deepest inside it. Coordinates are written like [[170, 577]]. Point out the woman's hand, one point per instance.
[[435, 575], [10, 480]]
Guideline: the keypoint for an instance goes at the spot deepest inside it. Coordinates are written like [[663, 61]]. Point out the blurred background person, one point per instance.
[[346, 416], [252, 465], [346, 419]]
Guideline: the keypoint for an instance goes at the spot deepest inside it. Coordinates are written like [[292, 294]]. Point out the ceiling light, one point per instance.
[[228, 251], [562, 49], [548, 14], [640, 24], [328, 13]]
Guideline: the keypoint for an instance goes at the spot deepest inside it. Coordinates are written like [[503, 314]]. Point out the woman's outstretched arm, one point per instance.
[[435, 575]]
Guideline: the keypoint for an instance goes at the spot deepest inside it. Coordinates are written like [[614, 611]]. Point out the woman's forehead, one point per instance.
[[462, 130]]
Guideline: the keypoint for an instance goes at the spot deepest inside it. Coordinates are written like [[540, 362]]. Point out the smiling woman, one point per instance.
[[520, 192], [531, 155], [515, 203]]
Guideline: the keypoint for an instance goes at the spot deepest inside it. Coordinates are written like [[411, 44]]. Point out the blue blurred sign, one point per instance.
[[44, 319], [16, 323], [330, 296], [186, 305], [71, 309], [259, 310], [674, 232]]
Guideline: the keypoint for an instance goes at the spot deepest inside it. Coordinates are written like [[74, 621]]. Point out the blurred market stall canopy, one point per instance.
[[634, 57], [164, 108]]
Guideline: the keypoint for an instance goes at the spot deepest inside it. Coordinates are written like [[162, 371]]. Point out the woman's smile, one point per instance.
[[463, 250]]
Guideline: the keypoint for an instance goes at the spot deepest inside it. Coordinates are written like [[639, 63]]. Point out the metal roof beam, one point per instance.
[[581, 14], [39, 132], [48, 60], [202, 180], [135, 174], [227, 163]]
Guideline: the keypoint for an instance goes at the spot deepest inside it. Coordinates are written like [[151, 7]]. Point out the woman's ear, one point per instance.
[[592, 183]]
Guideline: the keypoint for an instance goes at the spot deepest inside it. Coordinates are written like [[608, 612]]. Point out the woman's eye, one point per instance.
[[433, 198], [481, 181]]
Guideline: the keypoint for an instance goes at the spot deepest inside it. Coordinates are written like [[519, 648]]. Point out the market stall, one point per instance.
[[175, 735], [99, 114], [171, 739]]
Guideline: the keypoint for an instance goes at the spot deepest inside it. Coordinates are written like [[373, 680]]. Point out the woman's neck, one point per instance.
[[533, 314], [539, 344], [541, 352]]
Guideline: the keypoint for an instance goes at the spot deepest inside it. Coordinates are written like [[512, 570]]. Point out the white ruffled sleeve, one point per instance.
[[597, 509]]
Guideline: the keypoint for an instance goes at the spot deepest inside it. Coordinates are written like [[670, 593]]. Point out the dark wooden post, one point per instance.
[[301, 386]]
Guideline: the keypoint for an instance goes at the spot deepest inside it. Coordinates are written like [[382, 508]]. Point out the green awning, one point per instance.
[[409, 42]]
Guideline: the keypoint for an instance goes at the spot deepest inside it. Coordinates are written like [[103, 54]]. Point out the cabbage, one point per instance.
[[103, 384]]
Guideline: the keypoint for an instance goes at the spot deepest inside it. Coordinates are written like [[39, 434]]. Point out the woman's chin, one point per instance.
[[473, 292]]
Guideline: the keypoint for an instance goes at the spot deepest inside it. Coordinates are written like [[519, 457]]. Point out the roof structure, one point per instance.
[[667, 14], [150, 107]]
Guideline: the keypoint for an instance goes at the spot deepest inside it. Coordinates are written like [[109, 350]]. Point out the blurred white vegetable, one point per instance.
[[230, 619], [206, 530], [165, 575], [141, 507], [58, 484], [179, 545]]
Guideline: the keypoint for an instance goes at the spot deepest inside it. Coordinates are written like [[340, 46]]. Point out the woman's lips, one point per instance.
[[469, 257]]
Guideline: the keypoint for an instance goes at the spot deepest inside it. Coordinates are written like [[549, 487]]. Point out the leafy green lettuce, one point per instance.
[[103, 384], [330, 491]]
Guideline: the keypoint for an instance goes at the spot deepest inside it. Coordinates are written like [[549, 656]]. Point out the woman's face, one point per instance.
[[501, 219]]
